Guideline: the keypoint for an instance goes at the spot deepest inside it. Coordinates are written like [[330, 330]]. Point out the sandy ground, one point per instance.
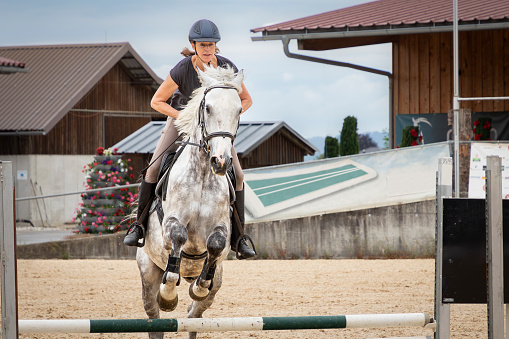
[[111, 289]]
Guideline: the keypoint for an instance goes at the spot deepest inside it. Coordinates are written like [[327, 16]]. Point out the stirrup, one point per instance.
[[245, 237], [133, 228]]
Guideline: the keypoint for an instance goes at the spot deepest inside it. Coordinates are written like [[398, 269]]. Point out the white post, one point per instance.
[[494, 247], [8, 254], [444, 189], [455, 101]]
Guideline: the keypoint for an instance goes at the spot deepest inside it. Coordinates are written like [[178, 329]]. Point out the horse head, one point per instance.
[[219, 115]]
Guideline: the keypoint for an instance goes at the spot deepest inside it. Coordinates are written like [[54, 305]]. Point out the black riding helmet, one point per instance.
[[204, 30]]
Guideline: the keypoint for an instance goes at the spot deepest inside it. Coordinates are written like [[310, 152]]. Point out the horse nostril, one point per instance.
[[214, 161]]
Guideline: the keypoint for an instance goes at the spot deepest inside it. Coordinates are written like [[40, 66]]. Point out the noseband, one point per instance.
[[205, 136]]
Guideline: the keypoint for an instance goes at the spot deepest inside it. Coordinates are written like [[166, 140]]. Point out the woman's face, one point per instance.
[[205, 50]]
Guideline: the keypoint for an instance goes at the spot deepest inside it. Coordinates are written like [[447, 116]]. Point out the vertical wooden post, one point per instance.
[[8, 254], [494, 247], [444, 189]]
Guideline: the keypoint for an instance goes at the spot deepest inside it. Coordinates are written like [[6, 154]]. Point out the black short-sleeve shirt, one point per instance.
[[186, 78]]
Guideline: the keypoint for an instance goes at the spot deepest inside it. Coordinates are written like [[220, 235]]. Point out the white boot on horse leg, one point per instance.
[[151, 274], [176, 236], [216, 248], [196, 308]]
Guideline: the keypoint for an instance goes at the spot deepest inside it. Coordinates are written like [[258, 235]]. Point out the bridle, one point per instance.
[[205, 135]]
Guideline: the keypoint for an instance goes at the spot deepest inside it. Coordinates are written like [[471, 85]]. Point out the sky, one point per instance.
[[311, 98]]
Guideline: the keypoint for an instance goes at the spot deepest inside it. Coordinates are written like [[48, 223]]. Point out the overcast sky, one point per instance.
[[312, 98]]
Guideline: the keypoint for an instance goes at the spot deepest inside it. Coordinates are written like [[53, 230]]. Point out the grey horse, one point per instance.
[[194, 237]]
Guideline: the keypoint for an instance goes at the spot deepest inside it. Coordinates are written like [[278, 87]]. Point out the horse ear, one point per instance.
[[205, 79], [239, 78]]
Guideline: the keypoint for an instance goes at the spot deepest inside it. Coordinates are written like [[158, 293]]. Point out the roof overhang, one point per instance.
[[12, 69], [313, 39], [21, 133]]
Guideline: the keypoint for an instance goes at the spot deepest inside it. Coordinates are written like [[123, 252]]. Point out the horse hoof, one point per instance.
[[167, 305], [196, 297]]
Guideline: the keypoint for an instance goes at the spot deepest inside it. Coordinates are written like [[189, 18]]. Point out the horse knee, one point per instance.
[[216, 244], [176, 234]]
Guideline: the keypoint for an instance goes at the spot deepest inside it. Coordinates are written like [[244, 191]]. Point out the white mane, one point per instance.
[[187, 121]]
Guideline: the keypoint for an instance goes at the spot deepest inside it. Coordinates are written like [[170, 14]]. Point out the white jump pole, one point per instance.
[[494, 247], [8, 254], [226, 324]]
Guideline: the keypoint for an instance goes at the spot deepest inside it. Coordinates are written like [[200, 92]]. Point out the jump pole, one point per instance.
[[225, 324]]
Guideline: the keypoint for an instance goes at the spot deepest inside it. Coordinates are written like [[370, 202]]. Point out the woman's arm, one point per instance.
[[245, 99], [163, 93]]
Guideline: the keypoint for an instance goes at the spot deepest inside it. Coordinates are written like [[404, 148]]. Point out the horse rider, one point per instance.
[[179, 85]]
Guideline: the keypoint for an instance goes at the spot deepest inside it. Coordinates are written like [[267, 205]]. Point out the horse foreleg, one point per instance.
[[196, 309], [150, 277], [175, 236], [216, 244]]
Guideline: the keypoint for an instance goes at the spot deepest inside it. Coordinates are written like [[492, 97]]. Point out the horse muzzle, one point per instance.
[[220, 164]]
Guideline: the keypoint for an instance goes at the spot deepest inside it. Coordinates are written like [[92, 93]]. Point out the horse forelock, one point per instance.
[[187, 121]]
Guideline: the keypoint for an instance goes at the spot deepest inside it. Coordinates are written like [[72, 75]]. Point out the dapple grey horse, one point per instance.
[[194, 237]]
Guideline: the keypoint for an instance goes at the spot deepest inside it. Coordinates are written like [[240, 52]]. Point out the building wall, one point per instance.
[[48, 175], [423, 71], [279, 149], [399, 231], [82, 132]]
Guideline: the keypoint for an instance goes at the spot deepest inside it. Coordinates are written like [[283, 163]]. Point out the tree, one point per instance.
[[410, 136], [365, 141], [331, 148], [349, 140]]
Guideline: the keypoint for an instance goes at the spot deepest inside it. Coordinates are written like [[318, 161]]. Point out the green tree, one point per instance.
[[349, 140], [410, 136], [385, 133], [331, 148]]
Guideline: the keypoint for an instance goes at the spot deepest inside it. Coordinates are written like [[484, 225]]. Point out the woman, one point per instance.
[[179, 85]]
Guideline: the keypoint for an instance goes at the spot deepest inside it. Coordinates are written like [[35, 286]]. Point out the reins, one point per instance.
[[205, 136]]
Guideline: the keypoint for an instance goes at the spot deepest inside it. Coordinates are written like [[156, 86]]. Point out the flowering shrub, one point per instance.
[[482, 129], [410, 136], [102, 212]]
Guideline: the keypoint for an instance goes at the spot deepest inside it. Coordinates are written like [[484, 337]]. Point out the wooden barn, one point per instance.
[[258, 144], [421, 81], [72, 99]]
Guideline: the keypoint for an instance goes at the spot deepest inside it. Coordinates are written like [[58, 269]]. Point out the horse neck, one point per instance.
[[197, 158]]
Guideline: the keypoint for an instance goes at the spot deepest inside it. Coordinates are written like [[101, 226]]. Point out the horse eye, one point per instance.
[[240, 111], [207, 109]]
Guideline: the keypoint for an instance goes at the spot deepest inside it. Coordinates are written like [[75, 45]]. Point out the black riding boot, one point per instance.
[[243, 251], [137, 229]]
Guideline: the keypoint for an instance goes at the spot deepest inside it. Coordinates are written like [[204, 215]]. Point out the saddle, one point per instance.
[[169, 158]]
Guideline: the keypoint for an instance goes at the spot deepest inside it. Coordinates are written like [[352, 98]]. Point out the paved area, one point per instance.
[[35, 235]]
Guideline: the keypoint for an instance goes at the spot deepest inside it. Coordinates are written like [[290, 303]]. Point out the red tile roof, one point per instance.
[[397, 13]]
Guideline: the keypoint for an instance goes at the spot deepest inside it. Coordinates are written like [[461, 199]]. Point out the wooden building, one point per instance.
[[420, 32], [74, 99], [258, 144]]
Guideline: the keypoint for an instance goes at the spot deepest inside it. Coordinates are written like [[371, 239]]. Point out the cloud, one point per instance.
[[312, 98]]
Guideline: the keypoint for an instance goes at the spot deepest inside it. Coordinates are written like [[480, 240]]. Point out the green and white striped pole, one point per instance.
[[224, 324]]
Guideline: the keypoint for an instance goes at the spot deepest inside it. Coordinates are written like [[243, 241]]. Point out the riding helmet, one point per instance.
[[204, 30]]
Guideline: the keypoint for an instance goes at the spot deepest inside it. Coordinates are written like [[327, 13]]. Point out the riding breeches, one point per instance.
[[169, 135]]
